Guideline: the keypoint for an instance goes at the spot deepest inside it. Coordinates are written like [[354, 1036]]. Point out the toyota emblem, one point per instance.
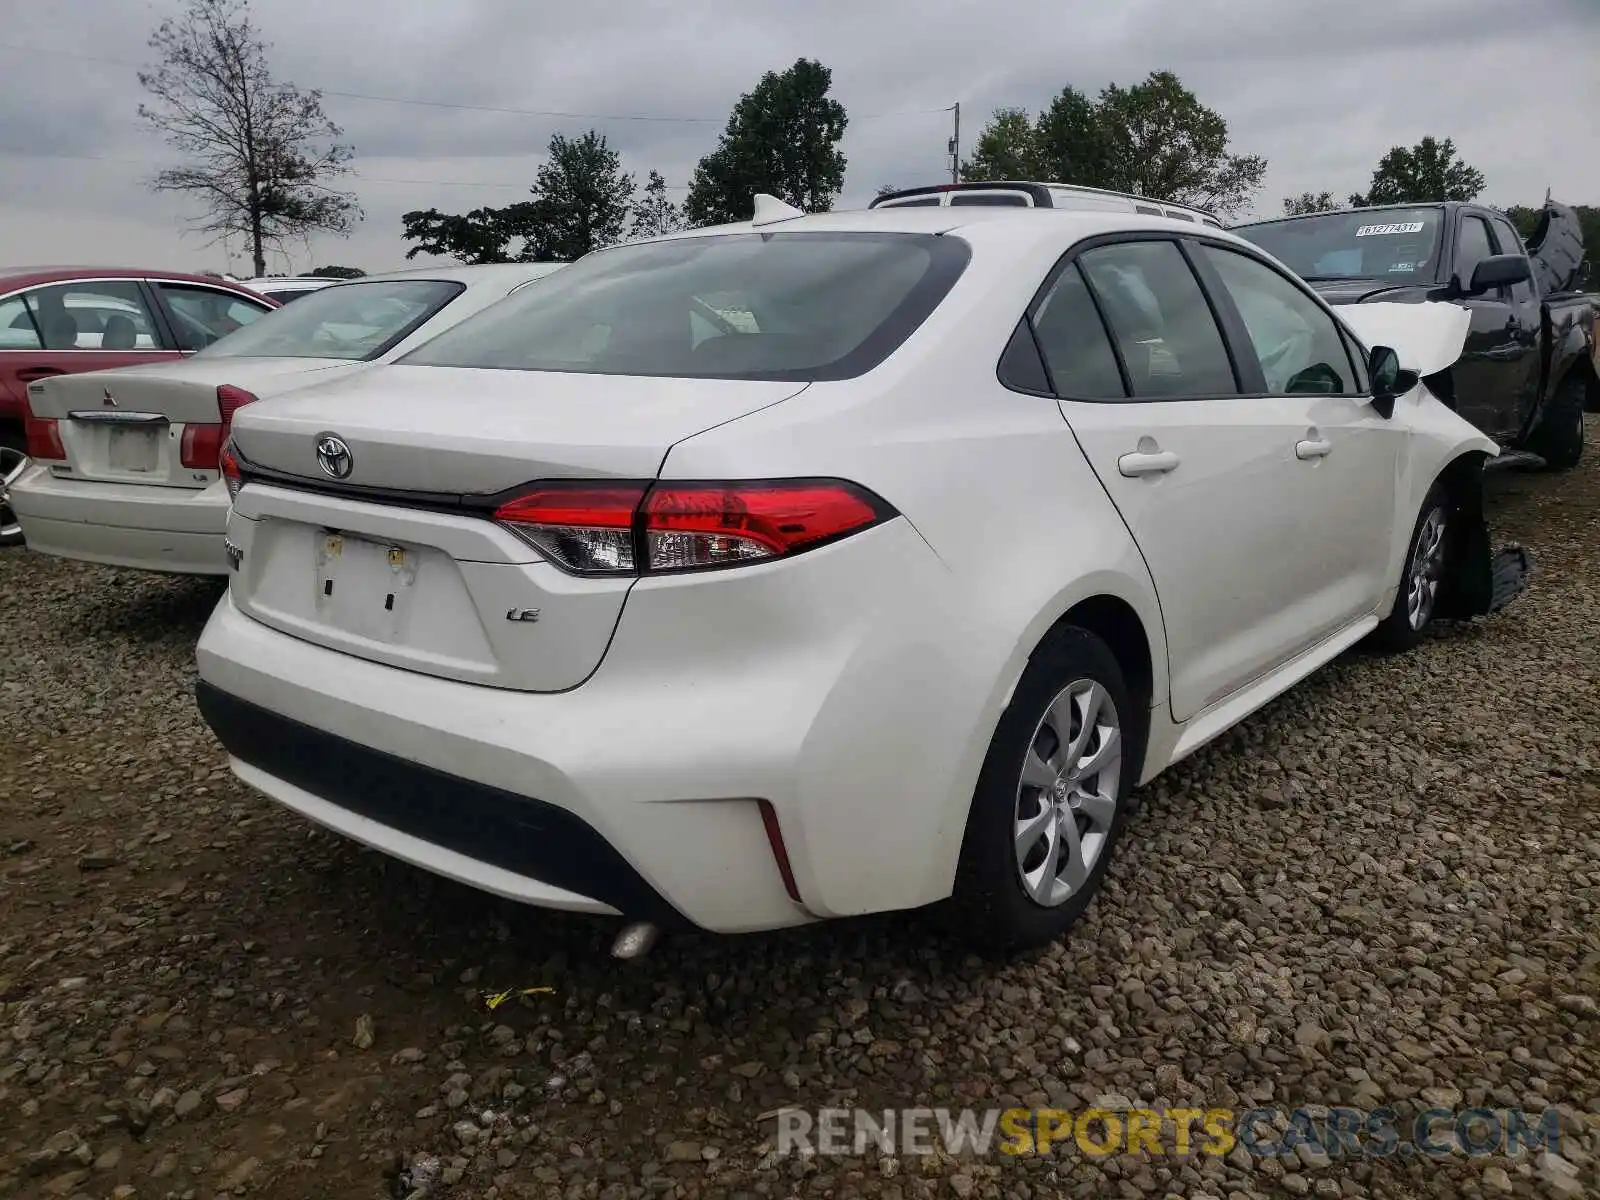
[[334, 457]]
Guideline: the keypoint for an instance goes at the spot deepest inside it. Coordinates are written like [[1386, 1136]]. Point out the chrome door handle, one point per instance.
[[1313, 449], [1147, 463]]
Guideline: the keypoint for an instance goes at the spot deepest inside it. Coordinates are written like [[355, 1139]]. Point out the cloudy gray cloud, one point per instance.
[[1322, 90]]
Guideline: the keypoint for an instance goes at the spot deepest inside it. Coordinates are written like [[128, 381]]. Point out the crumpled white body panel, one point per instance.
[[1427, 337]]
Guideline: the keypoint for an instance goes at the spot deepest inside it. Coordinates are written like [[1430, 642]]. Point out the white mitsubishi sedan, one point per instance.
[[831, 564], [125, 461]]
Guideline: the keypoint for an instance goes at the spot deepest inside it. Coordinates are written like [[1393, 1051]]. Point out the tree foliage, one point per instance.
[[655, 215], [1154, 139], [782, 138], [260, 155], [581, 200], [1425, 173], [1309, 202], [332, 272]]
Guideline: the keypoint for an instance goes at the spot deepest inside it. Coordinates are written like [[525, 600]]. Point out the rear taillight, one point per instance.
[[44, 438], [202, 444], [228, 464], [636, 528]]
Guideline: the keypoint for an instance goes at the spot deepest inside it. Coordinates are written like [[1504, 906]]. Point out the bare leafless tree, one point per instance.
[[261, 154]]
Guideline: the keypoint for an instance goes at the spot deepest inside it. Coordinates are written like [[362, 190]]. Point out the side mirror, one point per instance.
[[1389, 380], [1498, 271]]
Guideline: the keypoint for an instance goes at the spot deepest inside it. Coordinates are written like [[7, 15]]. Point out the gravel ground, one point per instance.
[[1382, 888]]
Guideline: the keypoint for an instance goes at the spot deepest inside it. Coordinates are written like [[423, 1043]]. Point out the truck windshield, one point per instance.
[[1398, 244]]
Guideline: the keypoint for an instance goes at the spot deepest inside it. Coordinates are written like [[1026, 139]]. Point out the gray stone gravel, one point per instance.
[[1382, 889]]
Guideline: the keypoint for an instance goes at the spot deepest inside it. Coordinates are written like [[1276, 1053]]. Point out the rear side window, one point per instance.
[[1163, 326], [919, 202], [1077, 350], [109, 315], [989, 200], [784, 306], [202, 315]]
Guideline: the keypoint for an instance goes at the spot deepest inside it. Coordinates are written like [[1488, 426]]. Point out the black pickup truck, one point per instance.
[[1527, 373]]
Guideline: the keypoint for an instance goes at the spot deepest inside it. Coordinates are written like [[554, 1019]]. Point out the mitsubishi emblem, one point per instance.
[[108, 398]]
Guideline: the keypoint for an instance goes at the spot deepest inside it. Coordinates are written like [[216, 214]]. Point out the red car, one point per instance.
[[63, 320]]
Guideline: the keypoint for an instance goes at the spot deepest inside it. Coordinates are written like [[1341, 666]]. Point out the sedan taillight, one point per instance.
[[202, 443], [639, 528]]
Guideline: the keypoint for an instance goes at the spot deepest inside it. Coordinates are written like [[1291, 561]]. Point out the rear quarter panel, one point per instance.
[[996, 485]]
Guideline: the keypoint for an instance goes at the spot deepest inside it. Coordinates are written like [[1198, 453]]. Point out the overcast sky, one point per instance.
[[1321, 89]]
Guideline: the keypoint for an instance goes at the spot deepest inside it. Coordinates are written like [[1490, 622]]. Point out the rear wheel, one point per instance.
[[13, 461], [1051, 799], [1427, 557], [1559, 437]]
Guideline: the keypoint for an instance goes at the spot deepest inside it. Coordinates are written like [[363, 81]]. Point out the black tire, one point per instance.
[[1401, 630], [990, 909], [1559, 438], [12, 445]]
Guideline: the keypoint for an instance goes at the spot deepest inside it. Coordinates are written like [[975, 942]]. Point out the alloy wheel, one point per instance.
[[1067, 795], [12, 463], [1426, 568]]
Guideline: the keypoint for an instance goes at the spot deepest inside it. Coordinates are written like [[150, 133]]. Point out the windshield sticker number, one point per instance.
[[1382, 230], [1402, 268]]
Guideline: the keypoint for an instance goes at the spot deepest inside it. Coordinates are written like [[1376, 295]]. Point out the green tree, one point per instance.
[[483, 235], [655, 214], [338, 273], [581, 198], [1154, 138], [782, 138], [1007, 148], [1425, 173], [260, 156], [1309, 202]]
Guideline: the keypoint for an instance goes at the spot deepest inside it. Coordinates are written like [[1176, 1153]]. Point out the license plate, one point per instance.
[[364, 587], [133, 449]]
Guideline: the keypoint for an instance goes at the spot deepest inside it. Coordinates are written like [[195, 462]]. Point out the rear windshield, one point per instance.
[[786, 306], [348, 321], [1399, 244]]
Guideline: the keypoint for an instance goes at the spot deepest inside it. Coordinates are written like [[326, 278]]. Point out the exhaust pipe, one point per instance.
[[635, 941]]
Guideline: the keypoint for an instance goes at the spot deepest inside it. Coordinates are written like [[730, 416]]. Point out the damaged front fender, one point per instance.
[[1478, 580]]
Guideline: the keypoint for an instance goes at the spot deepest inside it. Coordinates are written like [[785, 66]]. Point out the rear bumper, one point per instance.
[[829, 688], [179, 530]]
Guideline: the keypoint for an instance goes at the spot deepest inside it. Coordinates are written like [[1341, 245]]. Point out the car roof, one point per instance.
[[1326, 212], [467, 273], [15, 278], [1017, 228]]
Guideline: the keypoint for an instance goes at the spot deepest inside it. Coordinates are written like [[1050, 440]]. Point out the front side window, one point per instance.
[[1296, 341], [109, 315], [784, 306], [1396, 245], [350, 322], [1168, 339], [201, 315], [1472, 247]]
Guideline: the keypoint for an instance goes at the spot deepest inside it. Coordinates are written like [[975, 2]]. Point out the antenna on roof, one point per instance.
[[770, 210]]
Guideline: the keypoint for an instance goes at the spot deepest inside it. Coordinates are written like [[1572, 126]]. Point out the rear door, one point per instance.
[[81, 325], [1201, 465]]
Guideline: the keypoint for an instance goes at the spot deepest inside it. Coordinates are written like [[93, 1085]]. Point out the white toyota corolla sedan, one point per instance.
[[125, 461], [823, 565]]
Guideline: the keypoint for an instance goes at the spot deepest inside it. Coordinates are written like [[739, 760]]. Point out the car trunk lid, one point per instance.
[[400, 561], [157, 424]]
